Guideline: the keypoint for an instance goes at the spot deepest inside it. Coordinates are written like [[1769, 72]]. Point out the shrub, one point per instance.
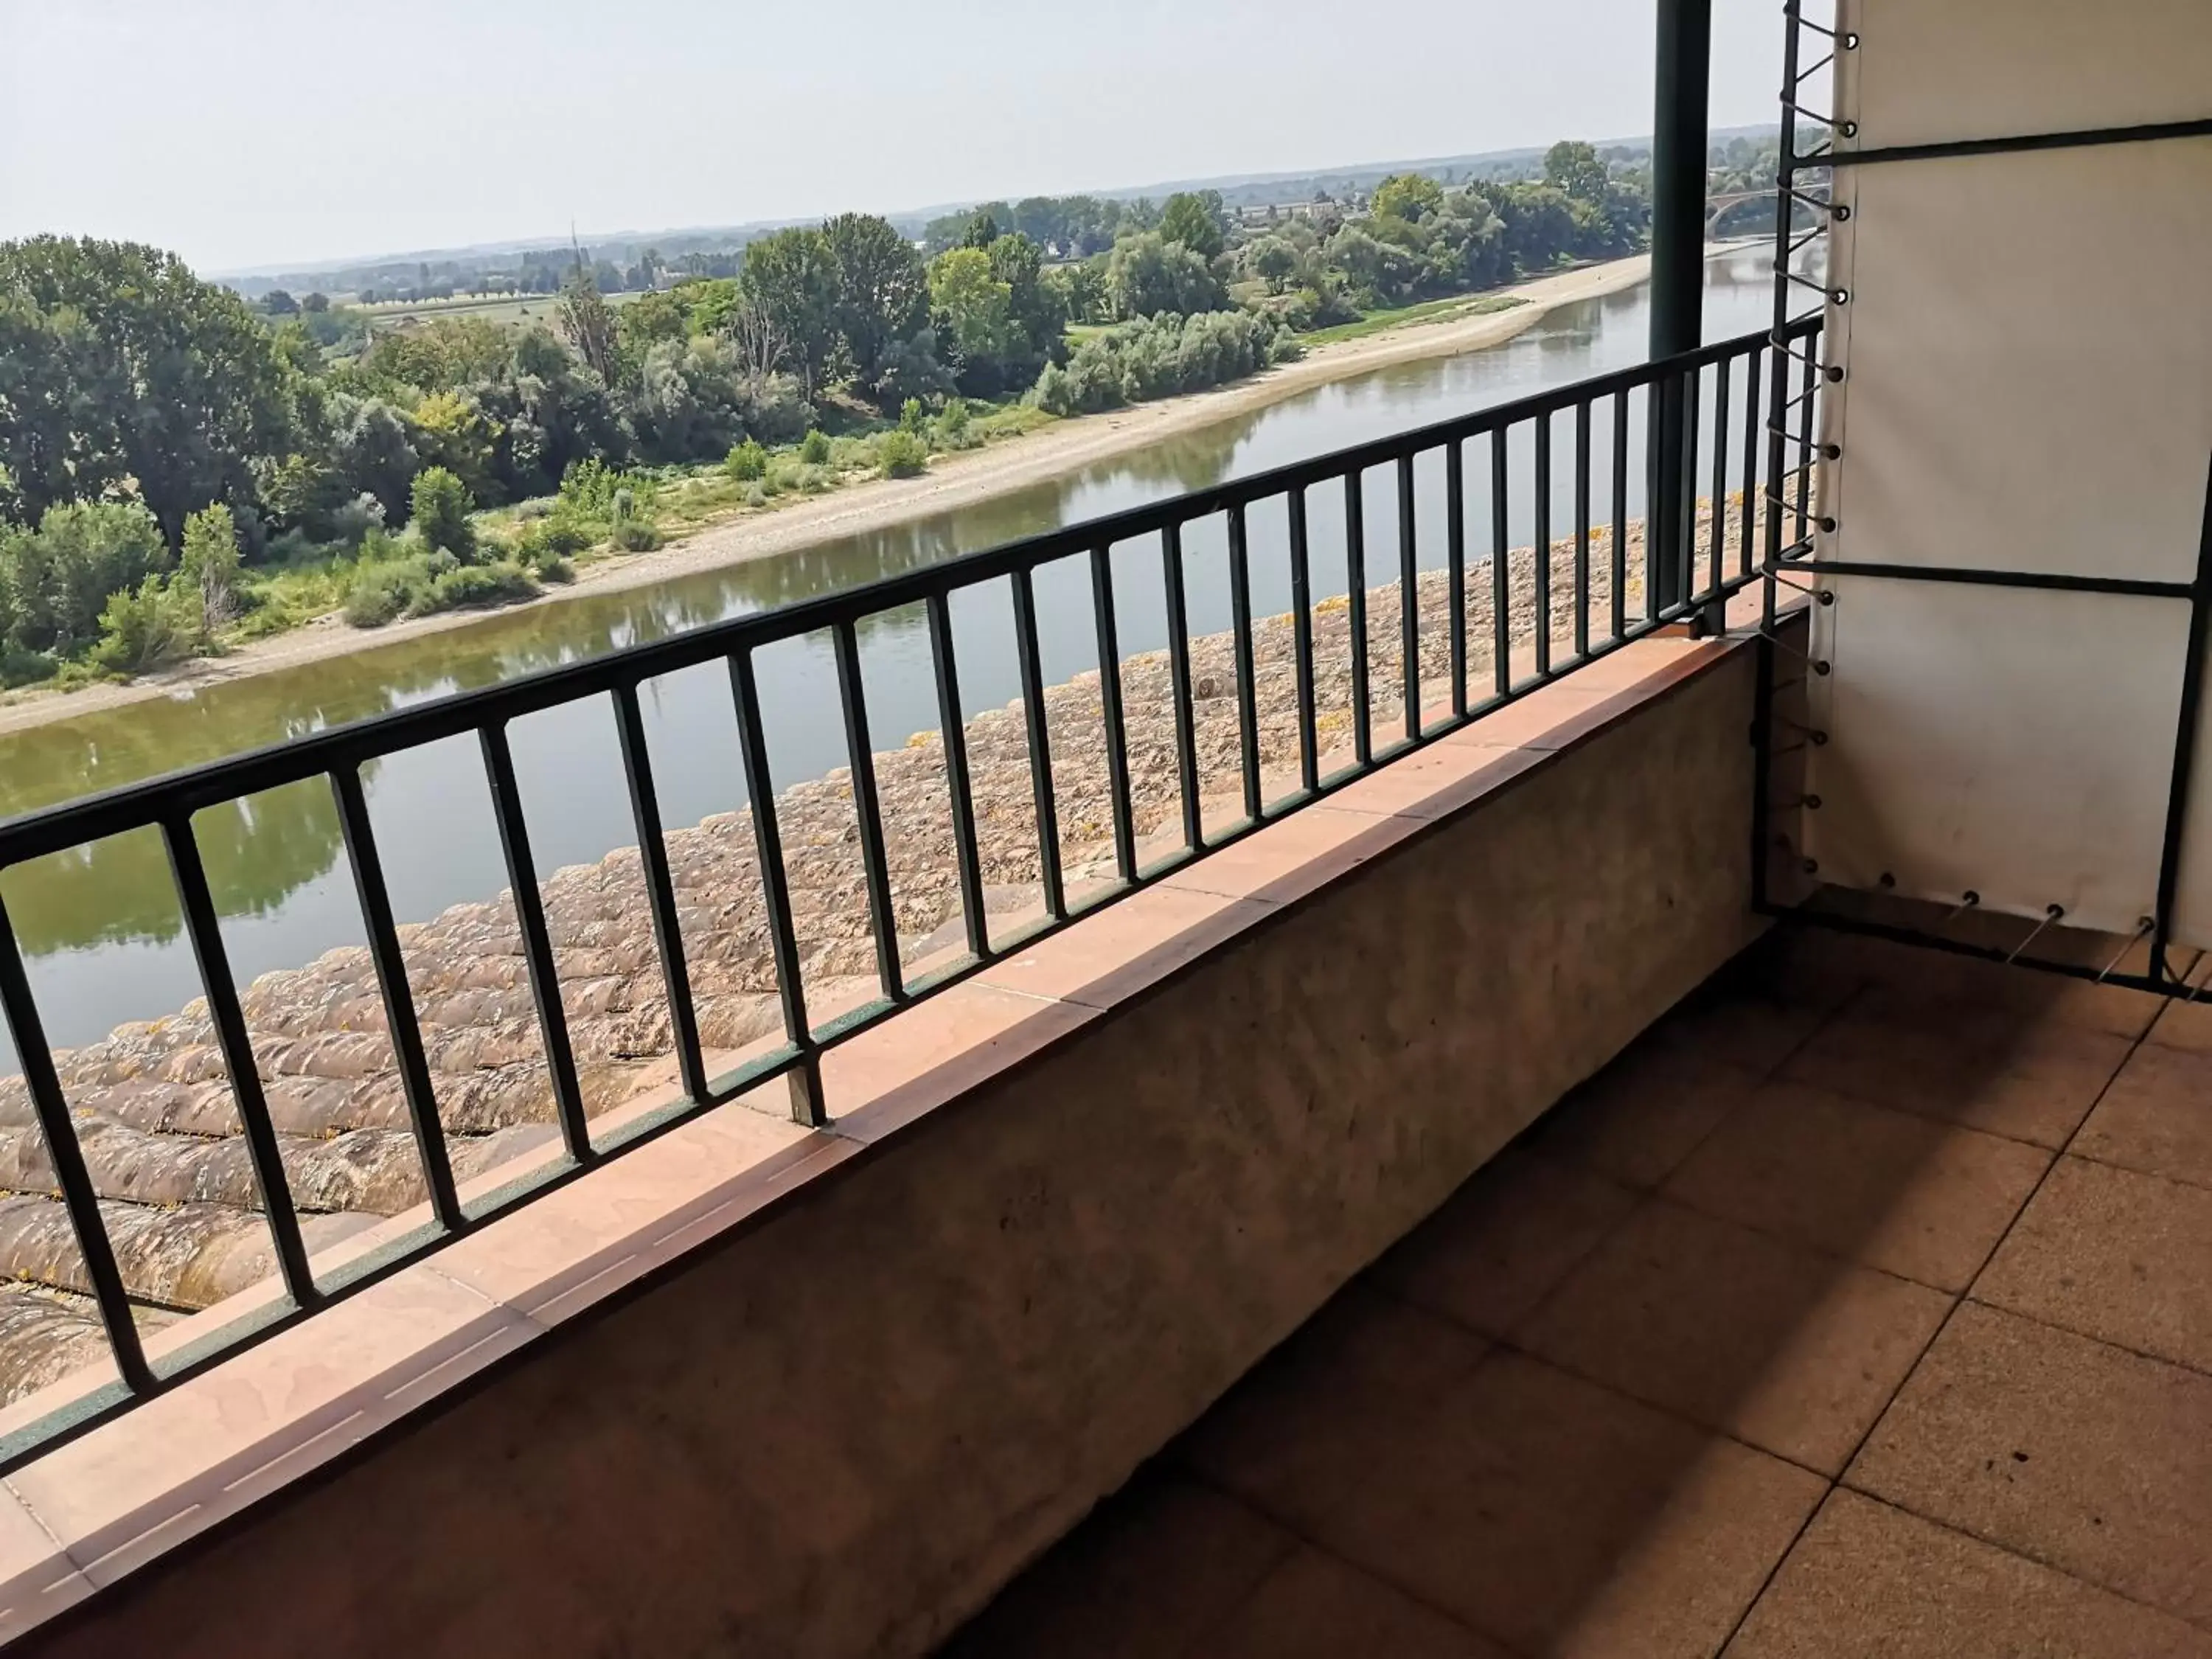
[[756, 496], [1158, 358], [20, 667], [775, 410], [386, 591], [814, 480], [552, 567], [442, 512], [558, 538], [431, 582], [149, 629], [56, 581], [209, 565], [953, 425], [748, 463], [629, 528], [910, 415], [478, 585], [814, 447], [901, 454]]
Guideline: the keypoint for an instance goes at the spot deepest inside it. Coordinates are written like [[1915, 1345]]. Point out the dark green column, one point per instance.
[[1678, 127]]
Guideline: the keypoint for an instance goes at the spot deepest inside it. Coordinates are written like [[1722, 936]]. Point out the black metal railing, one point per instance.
[[1591, 604]]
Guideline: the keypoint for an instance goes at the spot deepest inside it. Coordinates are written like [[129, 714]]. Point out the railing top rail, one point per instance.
[[175, 796]]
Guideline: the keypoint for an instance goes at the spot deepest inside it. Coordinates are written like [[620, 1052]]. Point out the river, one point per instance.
[[100, 925]]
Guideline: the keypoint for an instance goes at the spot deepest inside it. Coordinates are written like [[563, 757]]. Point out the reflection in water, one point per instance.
[[102, 923]]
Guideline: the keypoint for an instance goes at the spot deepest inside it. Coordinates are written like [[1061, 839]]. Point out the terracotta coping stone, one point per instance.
[[96, 1508]]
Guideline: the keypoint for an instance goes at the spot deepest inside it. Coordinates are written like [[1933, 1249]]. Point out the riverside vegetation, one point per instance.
[[180, 471]]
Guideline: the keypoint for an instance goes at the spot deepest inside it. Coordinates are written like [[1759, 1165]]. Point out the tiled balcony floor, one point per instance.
[[1863, 1308]]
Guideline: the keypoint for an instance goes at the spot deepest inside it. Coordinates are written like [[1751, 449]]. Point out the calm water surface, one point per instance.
[[101, 927]]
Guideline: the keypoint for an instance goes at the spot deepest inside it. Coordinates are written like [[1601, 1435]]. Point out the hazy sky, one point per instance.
[[248, 133]]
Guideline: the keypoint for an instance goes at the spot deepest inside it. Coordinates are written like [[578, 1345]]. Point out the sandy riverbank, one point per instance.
[[952, 481]]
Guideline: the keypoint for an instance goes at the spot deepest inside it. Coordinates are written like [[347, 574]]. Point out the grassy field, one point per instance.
[[1429, 310], [512, 313]]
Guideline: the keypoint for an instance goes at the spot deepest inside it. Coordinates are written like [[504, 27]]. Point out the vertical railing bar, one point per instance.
[[1355, 584], [1048, 811], [1717, 518], [1581, 528], [1186, 719], [1409, 598], [1619, 513], [537, 943], [1301, 641], [1685, 463], [660, 891], [807, 1106], [1501, 574], [861, 756], [1248, 697], [1543, 544], [400, 1023], [967, 854], [1109, 707], [230, 1020], [1654, 601], [1805, 443], [79, 1197], [1456, 571], [1745, 559]]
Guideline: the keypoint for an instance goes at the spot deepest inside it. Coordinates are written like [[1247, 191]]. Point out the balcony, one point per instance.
[[1605, 1061], [1857, 1309]]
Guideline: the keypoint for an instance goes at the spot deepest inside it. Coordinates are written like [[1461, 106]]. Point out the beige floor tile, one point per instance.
[[1868, 1581], [1315, 1606], [1921, 1199], [1794, 1352], [1565, 1519], [1920, 977], [1500, 1244], [1153, 1568], [2076, 1454], [1303, 1428], [2034, 1081], [2156, 1117], [1752, 1031], [1640, 1117], [2115, 1255]]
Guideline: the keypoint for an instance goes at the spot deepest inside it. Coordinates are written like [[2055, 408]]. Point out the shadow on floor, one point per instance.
[[1858, 1309]]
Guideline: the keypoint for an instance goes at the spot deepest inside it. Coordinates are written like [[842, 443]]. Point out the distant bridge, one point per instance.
[[1718, 207]]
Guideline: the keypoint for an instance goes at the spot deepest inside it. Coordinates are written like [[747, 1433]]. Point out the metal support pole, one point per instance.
[[1682, 87]]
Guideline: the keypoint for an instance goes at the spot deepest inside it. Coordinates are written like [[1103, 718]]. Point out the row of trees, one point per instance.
[[125, 380]]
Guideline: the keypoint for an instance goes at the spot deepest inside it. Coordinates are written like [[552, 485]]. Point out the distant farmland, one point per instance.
[[512, 313]]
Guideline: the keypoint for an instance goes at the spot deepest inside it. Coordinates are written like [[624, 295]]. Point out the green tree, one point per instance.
[[122, 369], [974, 308], [56, 579], [793, 275], [451, 431], [587, 324], [1195, 220], [439, 356], [156, 625], [883, 290], [315, 304], [1575, 170], [1273, 261], [442, 512], [277, 303], [1148, 275], [1411, 196], [209, 565]]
